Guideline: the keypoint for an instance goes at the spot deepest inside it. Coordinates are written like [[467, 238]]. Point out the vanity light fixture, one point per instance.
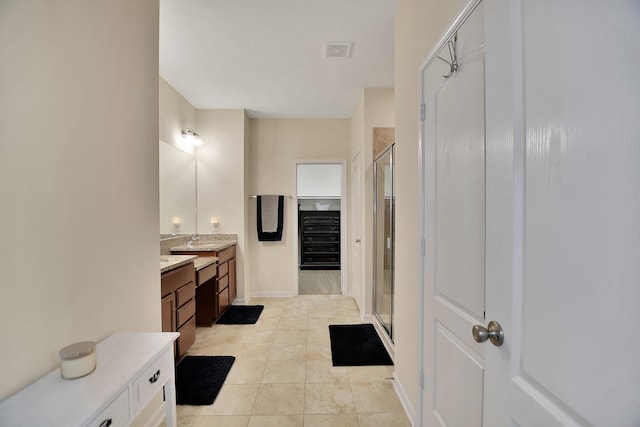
[[215, 222], [176, 221], [191, 137]]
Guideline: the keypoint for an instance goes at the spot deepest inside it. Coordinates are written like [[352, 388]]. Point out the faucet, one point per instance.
[[193, 239]]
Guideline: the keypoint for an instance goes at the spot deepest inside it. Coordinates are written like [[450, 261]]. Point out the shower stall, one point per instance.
[[384, 240]]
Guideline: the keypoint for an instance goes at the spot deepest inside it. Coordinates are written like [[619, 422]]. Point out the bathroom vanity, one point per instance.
[[224, 289]]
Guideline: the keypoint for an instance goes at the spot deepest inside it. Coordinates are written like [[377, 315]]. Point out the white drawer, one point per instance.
[[147, 384], [114, 415]]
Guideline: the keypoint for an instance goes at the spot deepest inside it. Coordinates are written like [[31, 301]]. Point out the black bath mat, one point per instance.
[[240, 315], [357, 345], [200, 378]]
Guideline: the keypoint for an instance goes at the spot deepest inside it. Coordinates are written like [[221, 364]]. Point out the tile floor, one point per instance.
[[319, 282], [283, 374]]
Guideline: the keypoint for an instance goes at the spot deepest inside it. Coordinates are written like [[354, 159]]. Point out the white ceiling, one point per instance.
[[267, 56]]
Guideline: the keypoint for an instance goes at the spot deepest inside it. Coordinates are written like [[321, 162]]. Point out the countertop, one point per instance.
[[170, 262], [205, 246], [204, 261]]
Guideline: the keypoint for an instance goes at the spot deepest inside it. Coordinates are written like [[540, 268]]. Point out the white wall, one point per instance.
[[221, 186], [418, 26], [275, 145], [79, 177]]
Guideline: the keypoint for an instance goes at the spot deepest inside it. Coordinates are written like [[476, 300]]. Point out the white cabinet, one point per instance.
[[131, 369]]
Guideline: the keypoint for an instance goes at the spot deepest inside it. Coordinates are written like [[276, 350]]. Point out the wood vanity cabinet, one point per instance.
[[179, 306], [226, 289]]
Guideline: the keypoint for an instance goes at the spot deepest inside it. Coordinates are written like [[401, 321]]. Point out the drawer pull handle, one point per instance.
[[155, 377], [106, 423]]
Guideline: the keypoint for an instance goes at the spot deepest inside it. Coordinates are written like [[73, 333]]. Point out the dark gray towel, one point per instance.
[[266, 231]]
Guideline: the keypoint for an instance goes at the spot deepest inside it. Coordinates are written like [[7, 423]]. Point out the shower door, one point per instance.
[[384, 216]]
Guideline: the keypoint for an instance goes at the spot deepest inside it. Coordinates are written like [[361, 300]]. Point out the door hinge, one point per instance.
[[422, 113], [421, 379], [423, 245]]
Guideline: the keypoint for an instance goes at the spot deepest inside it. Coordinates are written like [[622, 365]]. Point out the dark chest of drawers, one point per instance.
[[319, 240]]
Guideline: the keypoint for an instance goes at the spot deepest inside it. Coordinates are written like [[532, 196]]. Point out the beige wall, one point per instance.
[[221, 187], [175, 114], [375, 108], [275, 145], [418, 26], [79, 178]]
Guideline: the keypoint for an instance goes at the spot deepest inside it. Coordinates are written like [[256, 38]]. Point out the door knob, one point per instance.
[[493, 332]]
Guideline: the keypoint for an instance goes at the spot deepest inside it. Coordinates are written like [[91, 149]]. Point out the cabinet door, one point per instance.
[[169, 313], [232, 279]]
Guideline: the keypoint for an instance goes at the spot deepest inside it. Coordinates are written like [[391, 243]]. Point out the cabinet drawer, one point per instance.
[[185, 312], [187, 336], [223, 300], [185, 293], [321, 238], [226, 254], [223, 282], [321, 248], [322, 228], [116, 414], [151, 380], [321, 259], [223, 269], [177, 278], [206, 273]]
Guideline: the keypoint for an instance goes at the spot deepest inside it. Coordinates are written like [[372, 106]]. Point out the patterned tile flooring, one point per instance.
[[283, 374]]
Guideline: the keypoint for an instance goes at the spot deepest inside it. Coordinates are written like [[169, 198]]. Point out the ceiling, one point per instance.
[[267, 56]]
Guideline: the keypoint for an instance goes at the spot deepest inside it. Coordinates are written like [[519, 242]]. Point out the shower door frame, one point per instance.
[[388, 328]]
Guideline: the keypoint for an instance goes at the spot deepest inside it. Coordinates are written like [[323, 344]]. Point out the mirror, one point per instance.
[[177, 191]]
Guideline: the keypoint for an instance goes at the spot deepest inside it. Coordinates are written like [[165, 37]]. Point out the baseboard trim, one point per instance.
[[404, 399], [239, 301]]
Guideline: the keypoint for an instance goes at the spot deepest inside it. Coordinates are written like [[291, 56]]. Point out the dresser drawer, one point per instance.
[[116, 414], [223, 282], [322, 228], [321, 238], [185, 312], [187, 336], [151, 380], [206, 273], [223, 300], [185, 293], [177, 278], [226, 254], [223, 269]]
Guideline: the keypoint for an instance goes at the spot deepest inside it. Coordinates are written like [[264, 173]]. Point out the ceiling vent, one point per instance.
[[337, 50]]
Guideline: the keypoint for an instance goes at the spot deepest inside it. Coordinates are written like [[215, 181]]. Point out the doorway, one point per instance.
[[320, 227]]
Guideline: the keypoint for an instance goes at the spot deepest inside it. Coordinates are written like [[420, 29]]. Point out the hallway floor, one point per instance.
[[319, 282], [283, 374]]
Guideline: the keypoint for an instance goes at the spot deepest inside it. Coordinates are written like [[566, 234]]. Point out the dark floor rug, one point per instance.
[[357, 345], [200, 378], [240, 315]]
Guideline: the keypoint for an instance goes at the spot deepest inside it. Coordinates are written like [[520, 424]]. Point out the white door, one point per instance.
[[562, 244], [356, 218], [563, 212], [454, 274]]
